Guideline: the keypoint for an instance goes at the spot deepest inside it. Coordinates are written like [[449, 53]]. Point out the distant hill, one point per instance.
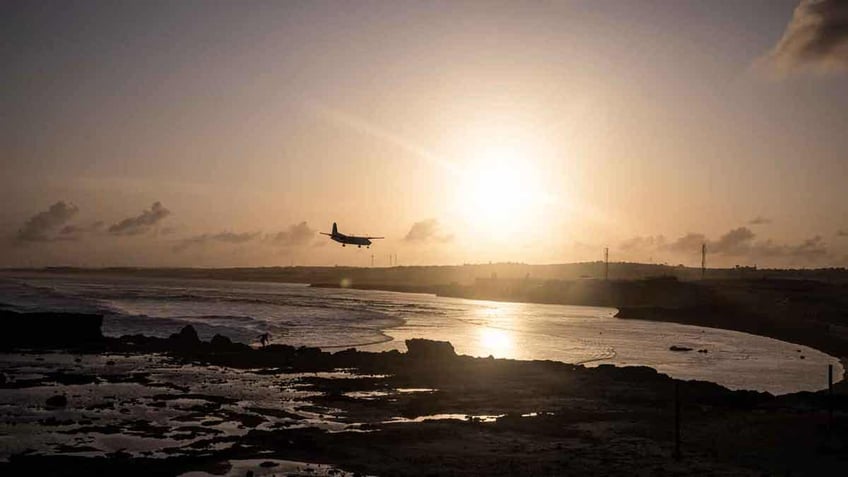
[[461, 274]]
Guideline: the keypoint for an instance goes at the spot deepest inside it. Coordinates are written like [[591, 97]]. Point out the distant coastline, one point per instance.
[[775, 308], [803, 306]]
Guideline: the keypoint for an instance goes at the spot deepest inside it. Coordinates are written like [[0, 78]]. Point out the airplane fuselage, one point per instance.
[[350, 240]]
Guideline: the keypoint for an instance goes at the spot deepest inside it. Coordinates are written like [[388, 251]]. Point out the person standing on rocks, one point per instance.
[[264, 339]]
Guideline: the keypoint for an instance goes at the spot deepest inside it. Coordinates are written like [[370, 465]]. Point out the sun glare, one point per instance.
[[494, 342], [501, 191]]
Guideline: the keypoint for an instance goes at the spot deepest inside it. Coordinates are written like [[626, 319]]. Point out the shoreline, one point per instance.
[[712, 319], [708, 309], [653, 289], [721, 304], [420, 412]]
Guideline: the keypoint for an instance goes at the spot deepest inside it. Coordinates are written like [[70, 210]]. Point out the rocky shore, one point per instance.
[[424, 412]]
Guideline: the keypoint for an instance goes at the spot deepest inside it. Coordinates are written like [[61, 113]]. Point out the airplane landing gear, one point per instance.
[[359, 246]]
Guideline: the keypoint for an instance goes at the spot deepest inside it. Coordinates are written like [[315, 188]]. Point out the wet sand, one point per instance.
[[139, 406]]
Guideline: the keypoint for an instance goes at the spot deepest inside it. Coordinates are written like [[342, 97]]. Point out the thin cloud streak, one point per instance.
[[364, 127]]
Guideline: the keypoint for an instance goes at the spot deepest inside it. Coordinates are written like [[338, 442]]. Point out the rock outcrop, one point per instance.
[[24, 330], [421, 349]]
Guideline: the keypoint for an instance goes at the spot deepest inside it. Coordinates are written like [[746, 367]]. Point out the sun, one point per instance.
[[501, 191]]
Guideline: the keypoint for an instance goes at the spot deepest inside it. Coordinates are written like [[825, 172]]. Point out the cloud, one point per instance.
[[141, 223], [75, 231], [738, 242], [687, 243], [735, 242], [642, 243], [222, 237], [427, 231], [39, 227], [816, 38], [810, 249], [295, 235], [759, 220]]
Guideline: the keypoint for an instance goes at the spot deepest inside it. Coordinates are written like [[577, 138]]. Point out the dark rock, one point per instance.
[[429, 349], [679, 348], [41, 330], [70, 378], [57, 401], [220, 342], [186, 338]]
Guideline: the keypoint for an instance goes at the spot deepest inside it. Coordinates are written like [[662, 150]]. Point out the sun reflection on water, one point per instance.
[[495, 342]]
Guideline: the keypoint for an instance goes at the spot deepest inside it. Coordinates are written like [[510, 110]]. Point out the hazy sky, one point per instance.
[[228, 133]]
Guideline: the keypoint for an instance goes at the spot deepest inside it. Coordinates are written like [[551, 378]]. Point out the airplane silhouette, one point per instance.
[[350, 239]]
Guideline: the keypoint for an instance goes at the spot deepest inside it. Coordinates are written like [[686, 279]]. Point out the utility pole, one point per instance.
[[606, 263], [676, 420], [829, 401], [703, 260]]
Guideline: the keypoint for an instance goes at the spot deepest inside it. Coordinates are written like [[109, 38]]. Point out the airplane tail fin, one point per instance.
[[335, 229]]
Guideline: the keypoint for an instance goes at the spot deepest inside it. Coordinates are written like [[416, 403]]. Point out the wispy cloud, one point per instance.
[[295, 235], [76, 231], [738, 242], [816, 38], [222, 237], [427, 231], [40, 227], [735, 242], [141, 223], [361, 126], [759, 220]]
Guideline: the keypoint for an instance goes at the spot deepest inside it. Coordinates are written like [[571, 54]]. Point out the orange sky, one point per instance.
[[462, 131]]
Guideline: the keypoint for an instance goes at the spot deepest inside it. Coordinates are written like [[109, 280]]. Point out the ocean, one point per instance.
[[370, 320]]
